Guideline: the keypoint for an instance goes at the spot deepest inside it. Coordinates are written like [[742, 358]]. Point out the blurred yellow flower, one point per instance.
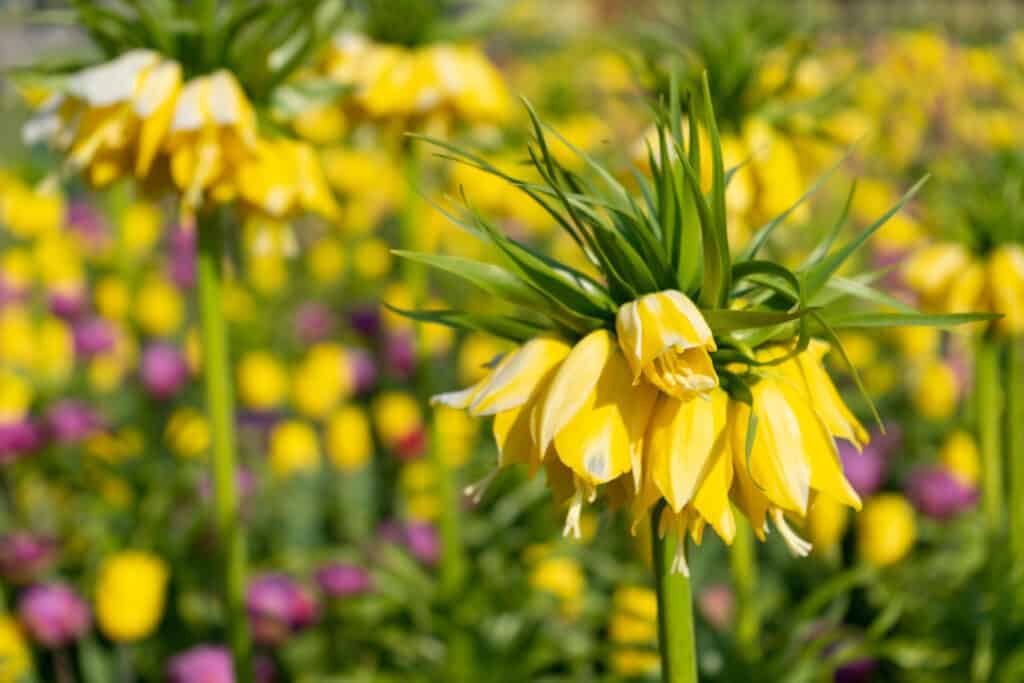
[[141, 227], [212, 133], [320, 125], [886, 529], [188, 432], [322, 380], [477, 351], [326, 260], [936, 390], [294, 448], [827, 521], [16, 396], [262, 380], [396, 415], [159, 306], [960, 456], [114, 117], [130, 593], [284, 178], [563, 578], [371, 258], [348, 438], [54, 352], [112, 298], [1006, 282], [15, 656], [32, 212], [456, 434]]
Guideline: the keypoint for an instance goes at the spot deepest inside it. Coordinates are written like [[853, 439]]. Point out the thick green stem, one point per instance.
[[676, 635], [988, 389], [1015, 442], [221, 409], [743, 562]]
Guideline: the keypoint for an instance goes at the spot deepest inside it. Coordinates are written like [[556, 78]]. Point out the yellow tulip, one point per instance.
[[827, 521], [130, 594], [55, 351], [886, 530], [188, 432], [294, 448], [664, 337], [322, 380], [326, 260], [372, 259], [112, 298], [262, 380], [141, 225], [159, 307], [15, 655], [396, 415], [960, 456], [1006, 283], [16, 396], [563, 578], [936, 391], [349, 439]]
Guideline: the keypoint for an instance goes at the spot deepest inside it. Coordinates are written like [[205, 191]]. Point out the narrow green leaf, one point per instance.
[[825, 246], [723, 321], [869, 320], [716, 240], [816, 277]]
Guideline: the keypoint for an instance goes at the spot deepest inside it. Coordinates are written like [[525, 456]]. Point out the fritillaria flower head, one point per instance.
[[686, 375]]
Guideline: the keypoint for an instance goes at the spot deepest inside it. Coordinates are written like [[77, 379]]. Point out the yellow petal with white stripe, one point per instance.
[[518, 376]]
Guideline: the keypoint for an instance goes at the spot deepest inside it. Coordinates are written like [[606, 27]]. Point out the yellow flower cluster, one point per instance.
[[642, 413], [393, 81], [137, 115], [949, 279]]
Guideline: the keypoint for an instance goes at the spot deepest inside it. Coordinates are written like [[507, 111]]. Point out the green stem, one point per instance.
[[676, 635], [743, 562], [988, 383], [1015, 442], [221, 408]]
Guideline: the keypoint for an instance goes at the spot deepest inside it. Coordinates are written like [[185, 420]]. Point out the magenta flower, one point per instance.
[[936, 493], [53, 615], [278, 606], [24, 556], [202, 664], [341, 580], [164, 371]]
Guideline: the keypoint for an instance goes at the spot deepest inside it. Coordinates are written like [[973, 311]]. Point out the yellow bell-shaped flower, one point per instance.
[[665, 338], [1006, 285]]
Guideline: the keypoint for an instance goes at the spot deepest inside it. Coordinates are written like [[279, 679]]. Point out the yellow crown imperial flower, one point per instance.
[[113, 117], [664, 336], [684, 379]]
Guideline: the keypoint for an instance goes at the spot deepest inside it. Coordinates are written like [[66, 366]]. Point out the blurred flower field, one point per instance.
[[462, 340]]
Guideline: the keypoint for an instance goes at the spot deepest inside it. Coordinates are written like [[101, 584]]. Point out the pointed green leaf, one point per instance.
[[502, 326]]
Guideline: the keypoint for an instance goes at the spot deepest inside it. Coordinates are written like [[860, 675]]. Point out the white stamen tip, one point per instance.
[[572, 518], [477, 490]]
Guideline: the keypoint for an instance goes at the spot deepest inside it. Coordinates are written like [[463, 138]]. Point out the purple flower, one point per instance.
[[19, 438], [201, 664], [400, 355], [364, 370], [278, 606], [183, 256], [936, 493], [164, 371], [24, 556], [365, 320], [424, 543], [53, 614], [314, 322], [340, 580], [93, 335], [866, 470], [70, 421], [86, 222], [858, 671], [68, 303]]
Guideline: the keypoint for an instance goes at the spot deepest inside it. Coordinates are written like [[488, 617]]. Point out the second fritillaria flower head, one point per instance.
[[687, 375]]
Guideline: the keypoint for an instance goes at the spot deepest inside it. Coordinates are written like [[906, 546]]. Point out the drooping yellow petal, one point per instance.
[[684, 441], [572, 385], [807, 372], [712, 499], [517, 377], [601, 440], [749, 497], [154, 105], [777, 460]]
